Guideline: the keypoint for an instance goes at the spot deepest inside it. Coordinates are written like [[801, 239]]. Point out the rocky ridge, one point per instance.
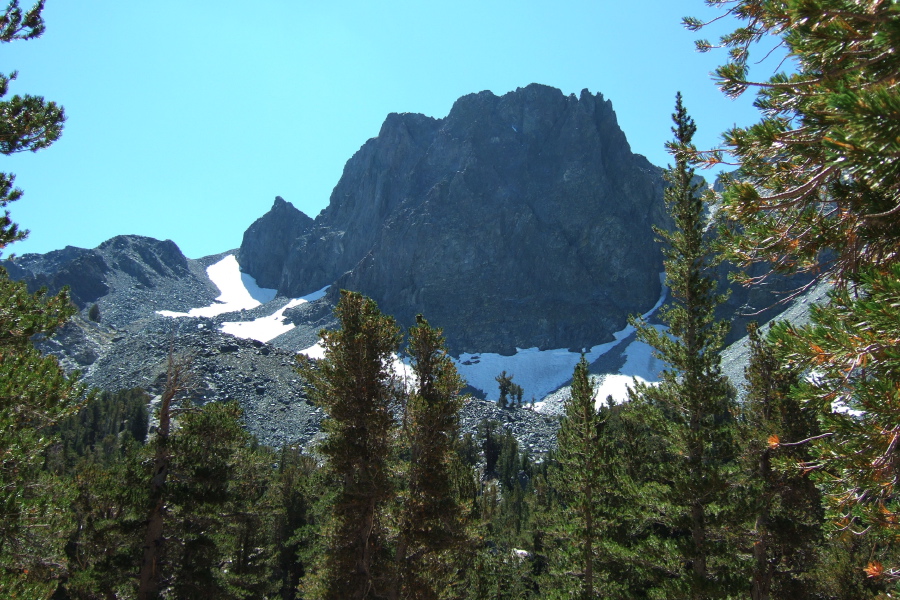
[[129, 277], [516, 221]]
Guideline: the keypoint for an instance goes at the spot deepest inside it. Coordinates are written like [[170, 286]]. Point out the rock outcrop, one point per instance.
[[268, 241], [128, 276], [516, 221]]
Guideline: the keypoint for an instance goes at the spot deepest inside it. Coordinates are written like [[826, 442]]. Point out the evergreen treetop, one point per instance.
[[694, 399], [35, 394], [354, 384], [820, 170]]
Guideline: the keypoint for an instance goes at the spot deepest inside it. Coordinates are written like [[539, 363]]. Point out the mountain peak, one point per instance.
[[518, 220]]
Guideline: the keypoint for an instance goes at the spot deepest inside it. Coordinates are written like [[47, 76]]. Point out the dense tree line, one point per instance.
[[681, 492]]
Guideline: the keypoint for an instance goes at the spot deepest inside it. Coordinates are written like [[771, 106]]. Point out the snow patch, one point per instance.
[[271, 326], [640, 361], [617, 386], [316, 351], [237, 291], [263, 328], [540, 372]]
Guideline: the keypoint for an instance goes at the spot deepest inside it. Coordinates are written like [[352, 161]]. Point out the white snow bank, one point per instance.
[[640, 365], [238, 291], [617, 386], [271, 326], [538, 372], [541, 372], [316, 351], [263, 328], [640, 361]]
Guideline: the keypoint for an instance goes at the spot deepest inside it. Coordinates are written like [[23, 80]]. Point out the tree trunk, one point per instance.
[[148, 589]]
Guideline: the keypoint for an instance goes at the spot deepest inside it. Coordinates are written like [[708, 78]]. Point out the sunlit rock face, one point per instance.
[[516, 221]]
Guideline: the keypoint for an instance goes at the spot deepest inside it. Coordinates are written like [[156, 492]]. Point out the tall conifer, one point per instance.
[[694, 398], [354, 384], [34, 392], [580, 462], [432, 527], [780, 498], [820, 192]]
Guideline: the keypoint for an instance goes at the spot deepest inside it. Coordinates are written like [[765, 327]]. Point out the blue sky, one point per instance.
[[186, 119]]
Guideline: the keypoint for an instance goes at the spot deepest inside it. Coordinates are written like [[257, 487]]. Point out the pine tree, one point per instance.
[[34, 392], [850, 347], [820, 192], [505, 385], [432, 526], [110, 516], [780, 497], [296, 526], [488, 434], [151, 570], [354, 384], [580, 460], [220, 512], [820, 171], [694, 397], [28, 123]]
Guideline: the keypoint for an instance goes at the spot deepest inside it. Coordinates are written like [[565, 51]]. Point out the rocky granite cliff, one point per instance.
[[516, 221]]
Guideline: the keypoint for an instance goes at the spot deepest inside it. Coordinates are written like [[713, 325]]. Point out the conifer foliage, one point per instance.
[[432, 525], [694, 399], [354, 383], [34, 392], [27, 123], [820, 191], [851, 350], [780, 499], [580, 462], [820, 170]]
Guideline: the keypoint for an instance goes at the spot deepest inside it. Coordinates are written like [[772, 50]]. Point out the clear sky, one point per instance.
[[187, 118]]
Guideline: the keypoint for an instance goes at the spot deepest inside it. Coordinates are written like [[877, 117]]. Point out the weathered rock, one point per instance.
[[268, 242], [128, 276], [516, 221]]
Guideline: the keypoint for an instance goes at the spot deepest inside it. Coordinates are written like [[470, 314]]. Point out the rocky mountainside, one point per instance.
[[143, 275], [516, 221]]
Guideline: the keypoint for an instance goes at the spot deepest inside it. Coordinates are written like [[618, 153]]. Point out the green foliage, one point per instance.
[[580, 481], [783, 530], [497, 573], [508, 461], [694, 400], [819, 191], [109, 513], [35, 395], [431, 525], [101, 429], [94, 313], [225, 510], [297, 522], [820, 169], [26, 122], [850, 352], [488, 434], [34, 392], [354, 384], [505, 383]]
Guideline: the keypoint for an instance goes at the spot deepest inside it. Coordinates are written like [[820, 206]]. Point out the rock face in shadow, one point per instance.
[[516, 221], [268, 241]]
